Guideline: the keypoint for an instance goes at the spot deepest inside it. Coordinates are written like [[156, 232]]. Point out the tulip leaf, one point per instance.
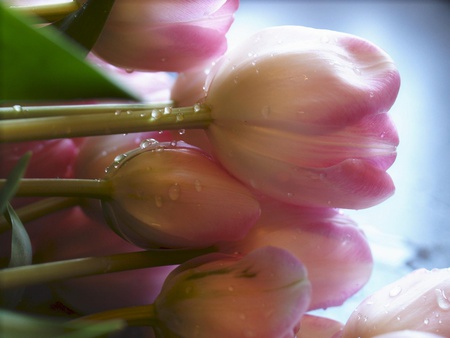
[[85, 25], [43, 65]]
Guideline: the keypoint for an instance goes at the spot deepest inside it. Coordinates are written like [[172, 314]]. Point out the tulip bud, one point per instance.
[[408, 334], [176, 196], [264, 294], [419, 301], [165, 35], [299, 114], [331, 246]]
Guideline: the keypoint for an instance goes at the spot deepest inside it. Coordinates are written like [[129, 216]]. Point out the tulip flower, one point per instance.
[[408, 334], [53, 158], [330, 245], [159, 35], [299, 114], [264, 294], [319, 327], [76, 236], [176, 196], [420, 301]]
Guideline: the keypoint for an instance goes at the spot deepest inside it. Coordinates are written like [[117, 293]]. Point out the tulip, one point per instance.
[[176, 196], [319, 327], [189, 89], [159, 35], [299, 114], [76, 236], [408, 334], [330, 245], [264, 294], [53, 158], [420, 301]]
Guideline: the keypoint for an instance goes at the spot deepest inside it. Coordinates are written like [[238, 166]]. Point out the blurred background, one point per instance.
[[412, 229]]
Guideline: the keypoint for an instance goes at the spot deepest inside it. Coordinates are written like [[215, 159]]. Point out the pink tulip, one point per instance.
[[408, 334], [159, 35], [328, 243], [319, 327], [176, 196], [189, 89], [420, 301], [76, 236], [299, 114], [264, 294], [53, 158]]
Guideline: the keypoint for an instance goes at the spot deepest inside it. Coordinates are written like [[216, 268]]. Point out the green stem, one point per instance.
[[51, 12], [127, 119], [144, 315], [48, 272], [63, 187], [40, 208]]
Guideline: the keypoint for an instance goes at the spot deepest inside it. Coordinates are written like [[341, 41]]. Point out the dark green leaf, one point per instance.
[[12, 181], [42, 65], [21, 252], [85, 25]]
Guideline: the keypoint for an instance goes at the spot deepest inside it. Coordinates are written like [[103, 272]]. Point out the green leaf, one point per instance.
[[85, 25], [12, 181], [42, 65], [21, 252]]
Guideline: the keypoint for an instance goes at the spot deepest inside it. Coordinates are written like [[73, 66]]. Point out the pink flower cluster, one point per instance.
[[300, 128]]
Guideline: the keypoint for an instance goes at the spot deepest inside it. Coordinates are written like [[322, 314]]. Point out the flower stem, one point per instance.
[[85, 188], [50, 12], [143, 315], [76, 121], [49, 272], [40, 208]]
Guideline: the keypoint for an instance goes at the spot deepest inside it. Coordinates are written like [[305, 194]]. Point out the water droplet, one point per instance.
[[182, 131], [198, 186], [163, 59], [395, 291], [180, 117], [17, 108], [265, 111], [398, 318], [290, 194], [197, 108], [156, 114], [442, 299], [236, 79], [230, 288], [173, 143], [143, 114], [148, 143], [129, 70], [117, 112], [426, 321], [371, 94], [159, 201], [242, 316], [174, 192], [167, 110], [129, 112], [356, 70], [120, 158]]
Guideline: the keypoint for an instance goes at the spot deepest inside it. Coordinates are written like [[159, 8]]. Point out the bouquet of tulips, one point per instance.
[[156, 184]]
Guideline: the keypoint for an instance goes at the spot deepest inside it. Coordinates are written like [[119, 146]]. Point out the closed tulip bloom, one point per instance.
[[176, 196], [319, 327], [408, 334], [161, 35], [330, 245], [300, 115], [264, 294], [420, 301]]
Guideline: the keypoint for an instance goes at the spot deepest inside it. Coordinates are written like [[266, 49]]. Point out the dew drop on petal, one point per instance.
[[148, 143], [174, 192], [426, 321], [17, 108], [395, 291], [442, 299], [158, 201], [198, 186], [182, 131]]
